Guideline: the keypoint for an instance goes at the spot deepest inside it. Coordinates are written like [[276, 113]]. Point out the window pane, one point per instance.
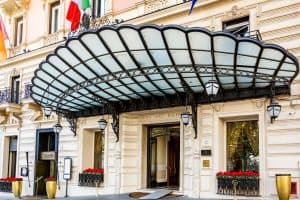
[[99, 150], [54, 17], [239, 27], [243, 146]]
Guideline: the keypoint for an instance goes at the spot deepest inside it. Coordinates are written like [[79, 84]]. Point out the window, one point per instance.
[[15, 89], [98, 9], [12, 156], [243, 146], [239, 27], [19, 31], [99, 150], [54, 17]]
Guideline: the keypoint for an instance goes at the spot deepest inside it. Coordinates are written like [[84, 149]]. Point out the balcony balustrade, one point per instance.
[[27, 91]]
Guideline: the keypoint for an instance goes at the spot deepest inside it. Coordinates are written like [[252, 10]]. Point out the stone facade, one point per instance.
[[125, 161]]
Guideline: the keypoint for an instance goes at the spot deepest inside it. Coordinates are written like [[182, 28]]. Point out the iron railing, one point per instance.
[[27, 91], [255, 34], [7, 96]]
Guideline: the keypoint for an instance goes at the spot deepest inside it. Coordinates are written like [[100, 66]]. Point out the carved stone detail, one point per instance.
[[52, 38], [218, 107], [12, 6], [3, 118], [13, 119], [258, 104], [32, 112], [235, 12], [151, 6]]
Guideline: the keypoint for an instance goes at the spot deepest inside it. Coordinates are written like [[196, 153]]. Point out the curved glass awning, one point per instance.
[[125, 64]]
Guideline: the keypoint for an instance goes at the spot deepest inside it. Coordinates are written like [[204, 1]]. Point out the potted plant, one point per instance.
[[16, 186], [51, 187]]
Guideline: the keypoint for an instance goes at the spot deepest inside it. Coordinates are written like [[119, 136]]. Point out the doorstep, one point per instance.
[[151, 190]]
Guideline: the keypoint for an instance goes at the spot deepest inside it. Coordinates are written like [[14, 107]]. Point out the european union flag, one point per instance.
[[193, 4]]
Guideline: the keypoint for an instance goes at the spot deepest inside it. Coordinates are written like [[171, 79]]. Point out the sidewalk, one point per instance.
[[9, 196]]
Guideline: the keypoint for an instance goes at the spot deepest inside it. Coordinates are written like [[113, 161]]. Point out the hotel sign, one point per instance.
[[48, 155]]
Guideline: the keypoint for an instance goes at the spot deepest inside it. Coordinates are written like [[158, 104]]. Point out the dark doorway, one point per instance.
[[12, 156], [173, 161], [45, 159], [163, 156]]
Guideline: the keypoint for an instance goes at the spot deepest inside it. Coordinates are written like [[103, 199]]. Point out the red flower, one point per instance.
[[237, 174], [11, 179], [51, 178], [94, 170]]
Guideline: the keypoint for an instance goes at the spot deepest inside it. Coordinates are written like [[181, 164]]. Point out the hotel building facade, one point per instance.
[[151, 147]]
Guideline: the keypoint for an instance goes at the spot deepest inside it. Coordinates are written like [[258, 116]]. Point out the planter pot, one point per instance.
[[51, 189], [283, 186], [17, 188]]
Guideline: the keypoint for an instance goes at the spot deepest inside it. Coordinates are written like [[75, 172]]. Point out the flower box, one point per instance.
[[91, 177], [6, 183], [5, 186], [247, 183]]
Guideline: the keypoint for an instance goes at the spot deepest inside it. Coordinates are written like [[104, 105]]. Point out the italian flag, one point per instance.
[[74, 12], [3, 37]]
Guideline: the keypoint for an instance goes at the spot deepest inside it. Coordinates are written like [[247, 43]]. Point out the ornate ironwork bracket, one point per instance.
[[194, 113], [192, 101], [73, 124], [116, 116]]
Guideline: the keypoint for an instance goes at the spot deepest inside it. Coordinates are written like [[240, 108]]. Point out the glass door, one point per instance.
[[164, 156]]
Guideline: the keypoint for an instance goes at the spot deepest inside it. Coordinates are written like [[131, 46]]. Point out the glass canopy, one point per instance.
[[122, 64]]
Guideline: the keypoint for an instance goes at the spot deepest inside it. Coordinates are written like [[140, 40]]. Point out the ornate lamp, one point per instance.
[[185, 118], [102, 124], [212, 87], [47, 111], [57, 128], [274, 110]]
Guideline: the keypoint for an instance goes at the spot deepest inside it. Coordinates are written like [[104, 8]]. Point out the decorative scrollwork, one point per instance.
[[73, 124]]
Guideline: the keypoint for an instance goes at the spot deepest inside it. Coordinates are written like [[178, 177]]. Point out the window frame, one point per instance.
[[19, 28], [54, 7], [98, 8], [226, 144], [232, 25]]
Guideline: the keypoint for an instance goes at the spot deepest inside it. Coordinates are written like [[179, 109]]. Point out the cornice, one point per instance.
[[43, 51]]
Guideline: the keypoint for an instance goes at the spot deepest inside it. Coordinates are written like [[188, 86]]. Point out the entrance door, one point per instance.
[[173, 161], [41, 172], [46, 159], [163, 156]]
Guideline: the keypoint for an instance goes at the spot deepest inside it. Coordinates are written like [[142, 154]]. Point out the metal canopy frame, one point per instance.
[[117, 69]]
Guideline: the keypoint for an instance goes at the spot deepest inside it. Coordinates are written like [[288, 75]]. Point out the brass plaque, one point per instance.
[[206, 163], [48, 155]]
